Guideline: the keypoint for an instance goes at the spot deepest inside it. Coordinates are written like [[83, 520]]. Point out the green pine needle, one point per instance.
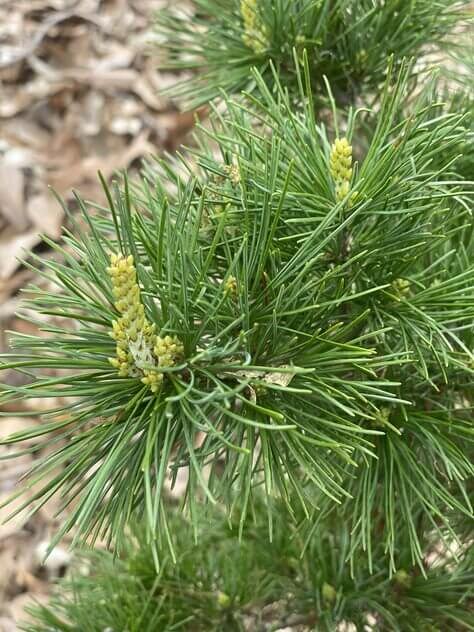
[[347, 41], [222, 584], [327, 340]]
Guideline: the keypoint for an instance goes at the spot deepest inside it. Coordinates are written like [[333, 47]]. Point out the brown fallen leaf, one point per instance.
[[8, 306], [68, 178], [25, 133], [17, 606], [48, 24], [16, 99], [45, 214], [12, 200], [9, 526], [12, 249], [7, 624]]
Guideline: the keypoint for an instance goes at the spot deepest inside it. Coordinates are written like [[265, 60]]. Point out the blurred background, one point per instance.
[[79, 93]]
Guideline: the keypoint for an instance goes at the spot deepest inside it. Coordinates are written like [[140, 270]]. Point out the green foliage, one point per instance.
[[284, 311], [221, 584], [327, 340], [460, 153], [348, 41]]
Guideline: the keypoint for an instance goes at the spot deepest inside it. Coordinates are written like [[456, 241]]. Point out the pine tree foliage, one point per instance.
[[322, 341], [221, 584], [285, 311], [348, 41], [462, 152]]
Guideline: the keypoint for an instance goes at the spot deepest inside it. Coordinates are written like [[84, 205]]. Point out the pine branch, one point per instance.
[[267, 329], [348, 42], [223, 584]]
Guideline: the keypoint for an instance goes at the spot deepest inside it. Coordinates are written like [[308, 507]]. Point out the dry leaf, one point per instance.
[[281, 378], [12, 249], [45, 214], [7, 625], [12, 201], [18, 604], [15, 524]]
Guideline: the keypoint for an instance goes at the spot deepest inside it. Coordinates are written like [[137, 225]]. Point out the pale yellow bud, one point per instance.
[[223, 600], [340, 165], [382, 418], [234, 173], [230, 286], [401, 287], [255, 31], [137, 345], [329, 593], [402, 578], [342, 190]]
